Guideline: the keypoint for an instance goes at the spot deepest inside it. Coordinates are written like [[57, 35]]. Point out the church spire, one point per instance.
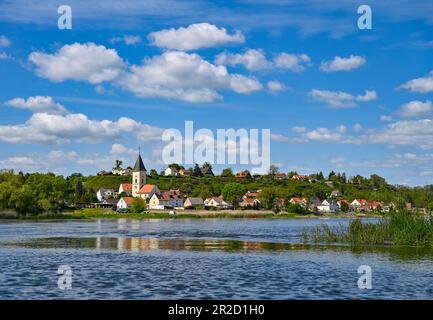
[[139, 165]]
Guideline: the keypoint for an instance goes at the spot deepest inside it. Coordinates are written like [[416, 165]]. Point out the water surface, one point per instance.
[[200, 259]]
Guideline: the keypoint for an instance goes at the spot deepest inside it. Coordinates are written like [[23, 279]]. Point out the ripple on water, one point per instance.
[[229, 259]]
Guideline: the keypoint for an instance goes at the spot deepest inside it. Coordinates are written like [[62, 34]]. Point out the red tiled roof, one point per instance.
[[147, 188], [126, 186], [128, 200], [361, 201]]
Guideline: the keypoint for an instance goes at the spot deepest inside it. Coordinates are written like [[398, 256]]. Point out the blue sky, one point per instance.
[[335, 97]]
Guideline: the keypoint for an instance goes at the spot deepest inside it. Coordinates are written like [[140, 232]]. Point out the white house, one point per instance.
[[359, 203], [216, 202], [193, 203], [104, 194], [171, 171], [328, 206], [164, 200], [124, 202]]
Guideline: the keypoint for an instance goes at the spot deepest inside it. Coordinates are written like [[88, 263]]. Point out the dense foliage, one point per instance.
[[36, 192]]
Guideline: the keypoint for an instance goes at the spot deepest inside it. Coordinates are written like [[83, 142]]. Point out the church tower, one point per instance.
[[138, 176]]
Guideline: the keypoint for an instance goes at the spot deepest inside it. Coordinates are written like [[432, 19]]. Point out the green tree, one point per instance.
[[273, 170], [138, 205], [232, 192], [153, 173], [197, 171], [268, 197], [24, 200], [344, 206], [118, 165], [227, 173]]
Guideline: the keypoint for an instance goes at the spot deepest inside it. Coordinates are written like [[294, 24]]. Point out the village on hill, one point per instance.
[[139, 195]]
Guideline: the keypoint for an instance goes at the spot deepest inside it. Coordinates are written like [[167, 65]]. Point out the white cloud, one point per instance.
[[255, 59], [416, 108], [37, 104], [129, 40], [4, 42], [328, 135], [325, 135], [66, 162], [385, 118], [252, 59], [184, 76], [340, 99], [53, 161], [411, 133], [298, 129], [82, 62], [195, 36], [58, 129], [276, 86], [357, 127], [421, 85], [343, 64], [4, 56], [292, 62]]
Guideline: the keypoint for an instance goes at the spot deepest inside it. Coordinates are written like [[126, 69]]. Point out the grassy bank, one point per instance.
[[181, 214], [193, 214], [397, 229]]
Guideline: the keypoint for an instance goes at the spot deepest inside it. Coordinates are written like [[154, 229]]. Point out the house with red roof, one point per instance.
[[147, 191], [125, 188], [125, 202], [300, 201], [280, 176], [166, 199], [299, 177]]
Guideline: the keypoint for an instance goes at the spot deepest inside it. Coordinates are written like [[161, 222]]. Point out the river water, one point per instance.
[[199, 259]]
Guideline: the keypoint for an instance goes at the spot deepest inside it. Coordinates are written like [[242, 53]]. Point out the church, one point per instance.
[[139, 187]]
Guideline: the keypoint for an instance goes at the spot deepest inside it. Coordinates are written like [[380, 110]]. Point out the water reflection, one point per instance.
[[179, 244]]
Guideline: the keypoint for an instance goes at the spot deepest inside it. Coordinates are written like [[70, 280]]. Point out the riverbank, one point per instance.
[[399, 229], [184, 214]]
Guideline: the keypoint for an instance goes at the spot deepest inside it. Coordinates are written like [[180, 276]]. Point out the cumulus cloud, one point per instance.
[[408, 133], [58, 129], [37, 104], [252, 59], [416, 108], [420, 85], [184, 76], [411, 133], [255, 59], [276, 86], [340, 99], [4, 42], [292, 62], [343, 64], [61, 162], [195, 36], [129, 40], [53, 161], [82, 62]]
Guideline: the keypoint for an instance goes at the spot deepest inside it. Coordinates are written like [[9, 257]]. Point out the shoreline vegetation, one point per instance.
[[183, 214], [396, 229]]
